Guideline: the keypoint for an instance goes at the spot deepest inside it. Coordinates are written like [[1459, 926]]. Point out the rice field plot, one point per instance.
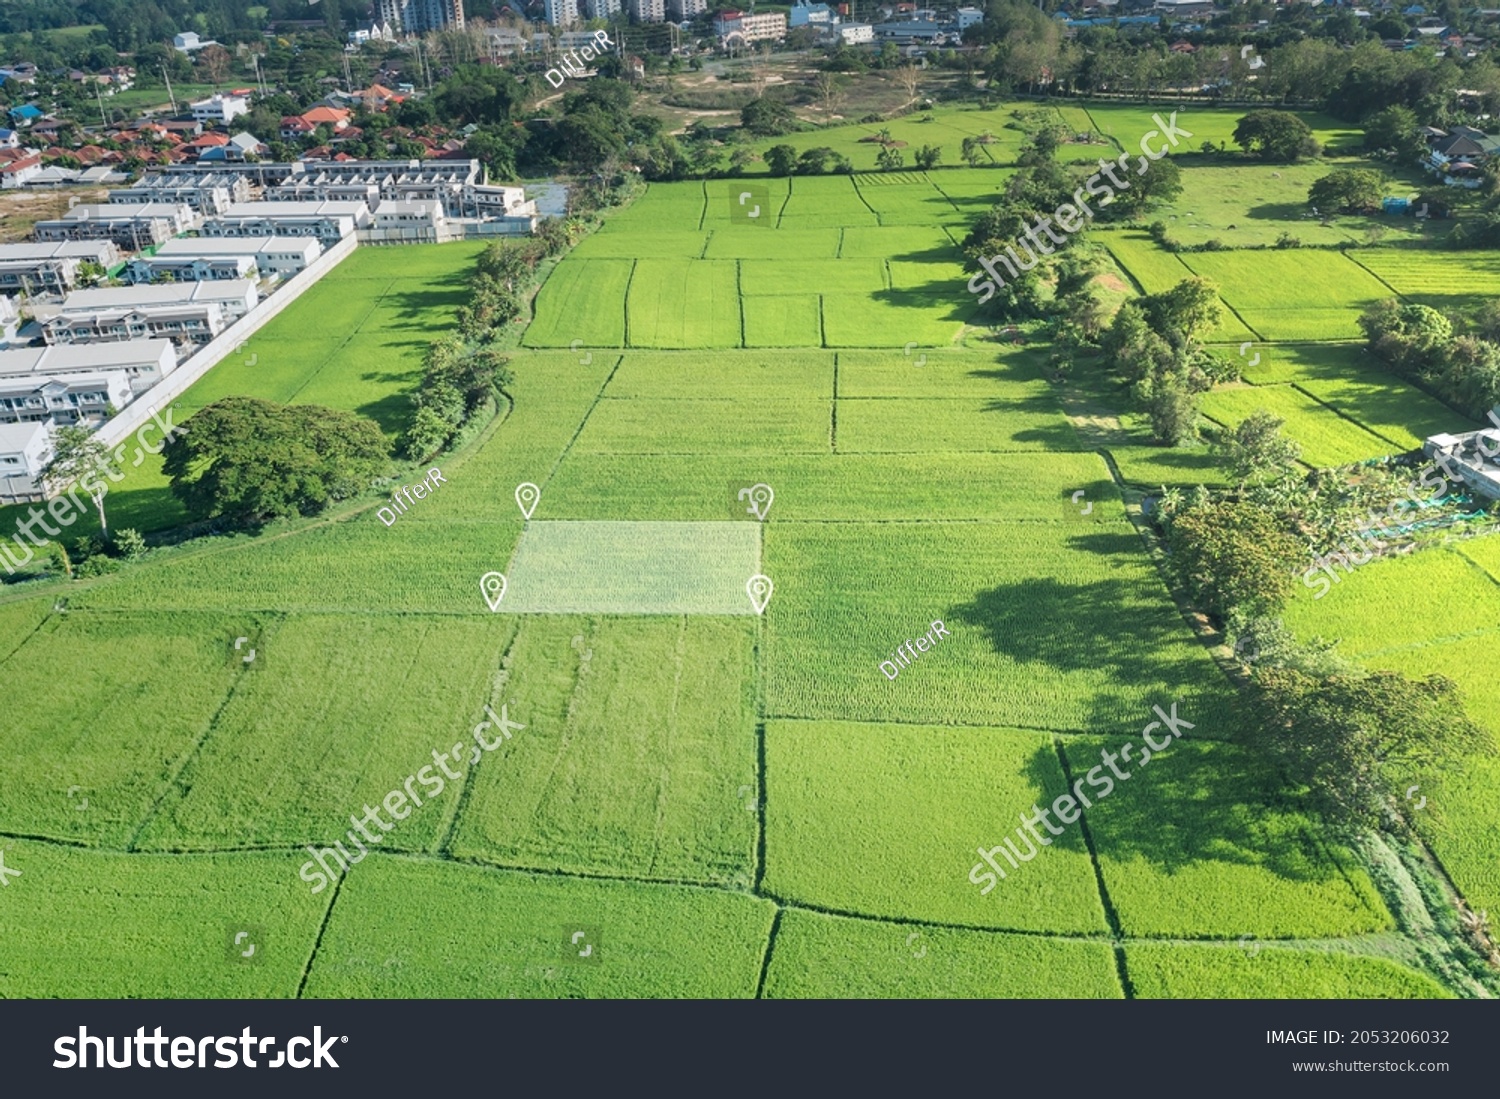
[[971, 199], [1389, 407], [641, 244], [1446, 281], [413, 567], [807, 278], [1387, 604], [103, 925], [1327, 439], [833, 957], [1270, 364], [663, 206], [582, 300], [1003, 423], [1152, 467], [676, 303], [701, 426], [431, 264], [19, 620], [1461, 816], [639, 744], [1246, 205], [783, 322], [894, 318], [1295, 294], [737, 242], [1128, 124], [840, 487], [723, 208], [1199, 844], [296, 750], [372, 374], [1062, 627], [919, 204], [884, 820], [937, 279], [899, 242], [113, 705], [1249, 971], [739, 374], [509, 934], [1155, 271], [821, 201], [1002, 373]]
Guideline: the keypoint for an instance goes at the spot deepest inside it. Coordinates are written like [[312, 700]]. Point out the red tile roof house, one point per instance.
[[294, 127], [327, 116], [16, 172]]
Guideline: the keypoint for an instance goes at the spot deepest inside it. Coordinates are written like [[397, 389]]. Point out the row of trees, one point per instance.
[[1459, 362]]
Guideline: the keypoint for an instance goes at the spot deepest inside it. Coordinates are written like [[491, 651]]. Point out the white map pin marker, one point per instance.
[[527, 497], [759, 587], [492, 585], [760, 499]]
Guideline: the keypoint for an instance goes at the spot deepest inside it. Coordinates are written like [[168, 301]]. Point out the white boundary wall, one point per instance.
[[164, 392]]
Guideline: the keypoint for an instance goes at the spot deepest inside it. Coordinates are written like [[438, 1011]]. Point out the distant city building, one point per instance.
[[648, 11], [968, 17], [420, 16], [803, 14], [746, 27], [854, 34], [560, 13], [683, 10], [605, 9]]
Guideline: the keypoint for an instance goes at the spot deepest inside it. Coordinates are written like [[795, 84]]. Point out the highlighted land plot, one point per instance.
[[633, 568]]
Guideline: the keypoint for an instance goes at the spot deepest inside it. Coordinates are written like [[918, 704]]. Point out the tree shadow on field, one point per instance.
[[429, 309], [1123, 628], [1282, 211], [1195, 803]]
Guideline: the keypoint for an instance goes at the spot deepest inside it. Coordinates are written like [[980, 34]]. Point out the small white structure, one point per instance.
[[854, 34], [329, 222], [188, 42], [221, 109], [235, 297], [132, 227], [41, 268], [25, 450], [143, 362], [202, 259], [397, 221]]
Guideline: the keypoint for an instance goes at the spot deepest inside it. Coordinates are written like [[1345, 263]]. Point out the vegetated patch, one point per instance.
[[884, 820], [844, 599], [295, 752], [637, 755], [701, 426], [969, 424], [582, 300], [1198, 843], [820, 956], [1250, 970], [676, 303], [1327, 439], [1442, 280], [506, 933], [1296, 294], [103, 925], [140, 691]]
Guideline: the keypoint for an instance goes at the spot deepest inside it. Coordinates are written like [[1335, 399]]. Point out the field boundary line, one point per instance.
[[1373, 274], [338, 888], [625, 307], [21, 644], [739, 292], [192, 753], [854, 182], [1111, 915], [1233, 312], [664, 778], [358, 328], [765, 958], [917, 921], [833, 424], [1345, 416], [702, 210]]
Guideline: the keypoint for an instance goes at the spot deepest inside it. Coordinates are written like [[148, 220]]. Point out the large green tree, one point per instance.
[[1232, 555], [1275, 135], [251, 461], [1348, 191]]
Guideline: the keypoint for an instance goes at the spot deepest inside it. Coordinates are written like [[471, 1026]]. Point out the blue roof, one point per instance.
[[26, 110]]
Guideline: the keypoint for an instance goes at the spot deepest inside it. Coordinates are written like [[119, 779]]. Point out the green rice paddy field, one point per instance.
[[723, 805]]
